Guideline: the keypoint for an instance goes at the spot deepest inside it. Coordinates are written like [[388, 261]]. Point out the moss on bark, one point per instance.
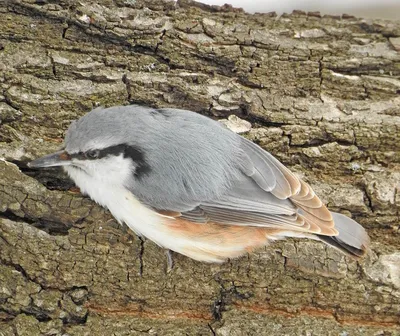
[[322, 94]]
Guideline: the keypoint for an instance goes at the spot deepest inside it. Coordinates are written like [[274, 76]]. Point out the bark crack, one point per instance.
[[312, 86]]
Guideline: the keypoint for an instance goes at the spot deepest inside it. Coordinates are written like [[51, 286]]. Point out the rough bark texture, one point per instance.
[[322, 94]]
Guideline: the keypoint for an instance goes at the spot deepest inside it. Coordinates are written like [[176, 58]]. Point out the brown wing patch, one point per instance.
[[314, 211], [288, 186], [314, 216]]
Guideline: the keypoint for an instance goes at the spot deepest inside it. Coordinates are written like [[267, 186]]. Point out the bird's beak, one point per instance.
[[61, 158]]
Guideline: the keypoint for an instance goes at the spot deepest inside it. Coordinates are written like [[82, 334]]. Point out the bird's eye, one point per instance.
[[92, 154]]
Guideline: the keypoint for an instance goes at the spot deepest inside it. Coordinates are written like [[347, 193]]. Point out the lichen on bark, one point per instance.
[[322, 95]]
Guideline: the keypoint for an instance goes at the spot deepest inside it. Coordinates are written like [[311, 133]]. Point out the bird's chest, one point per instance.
[[121, 202], [117, 200]]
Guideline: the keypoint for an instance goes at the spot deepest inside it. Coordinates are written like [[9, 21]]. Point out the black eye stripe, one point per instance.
[[100, 153], [113, 150], [79, 156], [92, 154], [128, 151], [137, 156]]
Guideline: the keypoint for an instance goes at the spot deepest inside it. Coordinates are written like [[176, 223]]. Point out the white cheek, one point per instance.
[[111, 171], [114, 170], [100, 179]]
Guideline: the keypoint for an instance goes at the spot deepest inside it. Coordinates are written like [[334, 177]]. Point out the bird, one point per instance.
[[192, 186]]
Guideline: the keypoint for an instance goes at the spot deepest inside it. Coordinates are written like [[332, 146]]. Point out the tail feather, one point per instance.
[[352, 238]]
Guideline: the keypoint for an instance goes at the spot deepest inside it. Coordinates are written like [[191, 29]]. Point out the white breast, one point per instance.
[[126, 208], [122, 204]]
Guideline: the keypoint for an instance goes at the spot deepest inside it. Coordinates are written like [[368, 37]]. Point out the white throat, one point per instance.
[[120, 201]]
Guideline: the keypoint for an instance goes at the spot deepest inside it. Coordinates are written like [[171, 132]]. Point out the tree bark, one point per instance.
[[322, 94]]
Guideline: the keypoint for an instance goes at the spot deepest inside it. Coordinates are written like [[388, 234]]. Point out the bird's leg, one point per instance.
[[170, 261], [142, 240]]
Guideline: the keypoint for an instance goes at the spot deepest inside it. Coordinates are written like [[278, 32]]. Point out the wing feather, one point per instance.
[[267, 169], [265, 194]]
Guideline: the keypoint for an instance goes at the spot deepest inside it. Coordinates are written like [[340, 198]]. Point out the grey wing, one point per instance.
[[266, 194]]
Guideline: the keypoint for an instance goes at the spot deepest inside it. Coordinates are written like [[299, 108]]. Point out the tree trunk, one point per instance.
[[322, 94]]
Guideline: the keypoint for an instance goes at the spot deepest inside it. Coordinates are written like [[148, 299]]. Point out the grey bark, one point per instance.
[[322, 94]]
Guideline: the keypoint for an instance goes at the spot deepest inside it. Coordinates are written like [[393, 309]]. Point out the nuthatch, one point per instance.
[[194, 187]]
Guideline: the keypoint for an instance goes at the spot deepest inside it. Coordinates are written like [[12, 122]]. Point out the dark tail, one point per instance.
[[352, 239]]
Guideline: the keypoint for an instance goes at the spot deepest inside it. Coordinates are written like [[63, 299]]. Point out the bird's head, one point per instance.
[[103, 146]]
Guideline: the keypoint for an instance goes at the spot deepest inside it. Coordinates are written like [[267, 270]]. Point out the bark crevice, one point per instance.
[[322, 95]]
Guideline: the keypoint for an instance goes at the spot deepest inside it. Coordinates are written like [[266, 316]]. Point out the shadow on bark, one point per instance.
[[322, 95]]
